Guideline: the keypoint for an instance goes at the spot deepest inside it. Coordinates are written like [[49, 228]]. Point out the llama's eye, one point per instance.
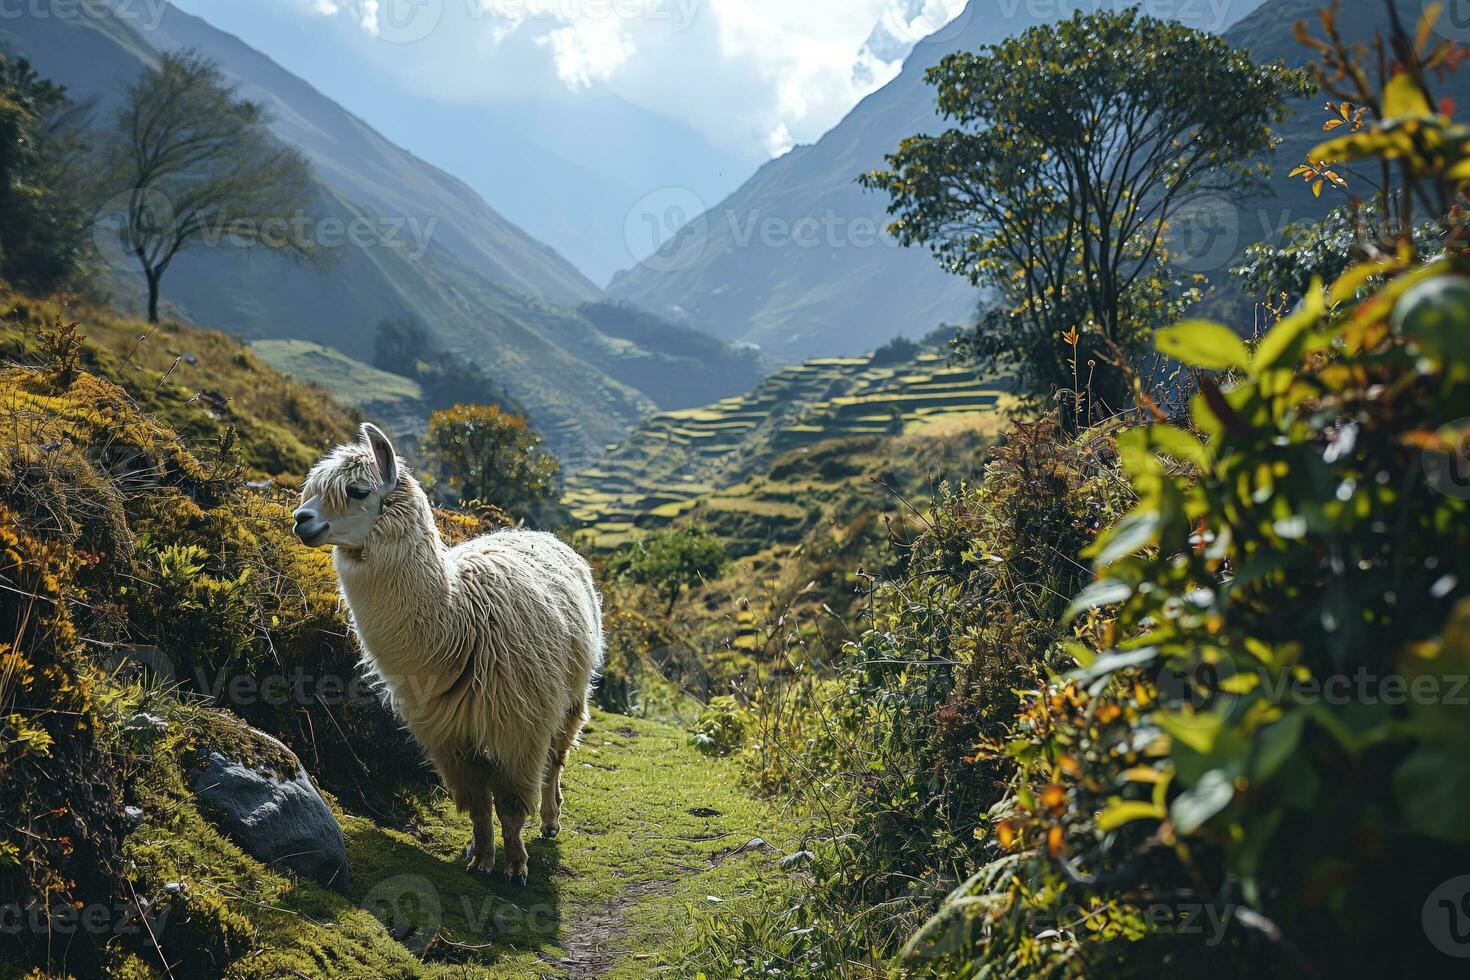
[[358, 493]]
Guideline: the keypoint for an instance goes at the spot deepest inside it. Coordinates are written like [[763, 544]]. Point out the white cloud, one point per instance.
[[588, 50], [780, 140], [753, 75]]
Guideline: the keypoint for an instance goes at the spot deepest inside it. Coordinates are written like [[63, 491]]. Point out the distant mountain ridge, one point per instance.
[[567, 166], [379, 175], [793, 262], [435, 251]]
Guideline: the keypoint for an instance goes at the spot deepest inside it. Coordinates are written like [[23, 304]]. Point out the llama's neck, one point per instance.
[[397, 587]]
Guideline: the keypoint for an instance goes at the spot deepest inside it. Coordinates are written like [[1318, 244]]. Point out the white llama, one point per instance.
[[486, 650]]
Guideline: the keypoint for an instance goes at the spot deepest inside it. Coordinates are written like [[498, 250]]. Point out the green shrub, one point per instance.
[[721, 727], [887, 752], [670, 561], [1262, 720]]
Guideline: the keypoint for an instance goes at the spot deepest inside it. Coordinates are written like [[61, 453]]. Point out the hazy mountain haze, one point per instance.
[[795, 260], [573, 118]]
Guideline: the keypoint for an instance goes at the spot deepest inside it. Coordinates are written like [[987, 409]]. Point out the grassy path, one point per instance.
[[650, 828]]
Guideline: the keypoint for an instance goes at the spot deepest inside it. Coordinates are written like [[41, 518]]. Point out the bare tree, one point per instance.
[[193, 164]]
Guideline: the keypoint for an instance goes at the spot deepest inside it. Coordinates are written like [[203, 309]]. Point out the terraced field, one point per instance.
[[677, 461]]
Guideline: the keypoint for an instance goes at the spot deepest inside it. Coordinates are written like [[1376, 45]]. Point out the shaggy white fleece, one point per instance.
[[486, 650]]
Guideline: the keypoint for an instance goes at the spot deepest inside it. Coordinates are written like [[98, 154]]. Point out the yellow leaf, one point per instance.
[[1404, 99], [1120, 812], [1426, 24], [1332, 124], [1317, 188], [1143, 774]]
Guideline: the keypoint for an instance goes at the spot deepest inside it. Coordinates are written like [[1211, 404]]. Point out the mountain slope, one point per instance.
[[672, 461], [566, 166], [430, 252], [1267, 35], [379, 175], [790, 261]]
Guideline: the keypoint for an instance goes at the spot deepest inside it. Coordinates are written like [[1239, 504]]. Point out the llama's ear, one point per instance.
[[383, 453]]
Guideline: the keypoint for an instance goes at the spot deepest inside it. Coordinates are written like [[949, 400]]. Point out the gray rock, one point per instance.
[[278, 821]]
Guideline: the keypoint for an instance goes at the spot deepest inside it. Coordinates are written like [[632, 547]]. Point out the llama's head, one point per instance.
[[345, 492]]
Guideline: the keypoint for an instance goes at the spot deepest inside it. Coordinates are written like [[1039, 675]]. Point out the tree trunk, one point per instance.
[[153, 278]]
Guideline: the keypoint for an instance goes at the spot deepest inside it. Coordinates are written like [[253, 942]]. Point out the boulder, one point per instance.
[[263, 799]]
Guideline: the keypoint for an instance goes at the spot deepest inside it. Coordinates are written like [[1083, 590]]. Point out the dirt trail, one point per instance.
[[595, 939]]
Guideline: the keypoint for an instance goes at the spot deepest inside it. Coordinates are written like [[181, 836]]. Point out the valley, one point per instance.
[[976, 607], [701, 459]]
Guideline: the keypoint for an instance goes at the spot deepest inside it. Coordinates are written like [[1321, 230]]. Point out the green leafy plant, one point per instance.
[[1071, 147], [670, 561], [1259, 718], [482, 452]]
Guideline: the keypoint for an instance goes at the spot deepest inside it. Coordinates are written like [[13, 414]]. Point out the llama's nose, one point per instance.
[[304, 516]]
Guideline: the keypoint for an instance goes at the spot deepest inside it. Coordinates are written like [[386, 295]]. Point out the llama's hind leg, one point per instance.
[[556, 760]]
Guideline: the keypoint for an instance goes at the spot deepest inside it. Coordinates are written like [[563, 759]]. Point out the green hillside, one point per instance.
[[204, 382], [439, 255], [381, 395], [674, 459]]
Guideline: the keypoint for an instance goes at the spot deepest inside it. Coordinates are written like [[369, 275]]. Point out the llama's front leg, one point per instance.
[[468, 779], [513, 807], [551, 797], [479, 852]]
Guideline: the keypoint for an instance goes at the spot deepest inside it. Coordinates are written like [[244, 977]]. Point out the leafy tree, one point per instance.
[[896, 351], [481, 452], [671, 561], [43, 166], [196, 164], [1072, 146], [1322, 249]]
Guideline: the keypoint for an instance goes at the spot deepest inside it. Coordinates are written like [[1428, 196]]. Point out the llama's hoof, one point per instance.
[[515, 873], [472, 860]]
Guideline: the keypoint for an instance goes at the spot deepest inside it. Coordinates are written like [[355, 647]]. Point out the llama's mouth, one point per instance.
[[311, 535]]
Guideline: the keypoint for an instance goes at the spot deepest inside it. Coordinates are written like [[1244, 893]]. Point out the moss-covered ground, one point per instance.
[[651, 830]]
